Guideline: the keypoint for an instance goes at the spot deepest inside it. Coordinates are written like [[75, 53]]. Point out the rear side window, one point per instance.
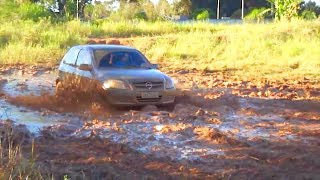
[[71, 56], [84, 57]]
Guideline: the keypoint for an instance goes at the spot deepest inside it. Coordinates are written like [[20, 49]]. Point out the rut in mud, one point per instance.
[[220, 127]]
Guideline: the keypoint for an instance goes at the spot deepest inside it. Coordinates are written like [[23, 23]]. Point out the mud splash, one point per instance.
[[27, 100]]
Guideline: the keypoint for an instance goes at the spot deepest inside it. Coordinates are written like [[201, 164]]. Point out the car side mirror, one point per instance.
[[155, 66], [85, 67]]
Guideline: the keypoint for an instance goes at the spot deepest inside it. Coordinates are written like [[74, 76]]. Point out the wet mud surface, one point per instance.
[[220, 127]]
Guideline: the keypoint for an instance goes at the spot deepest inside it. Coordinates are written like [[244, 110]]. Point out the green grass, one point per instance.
[[275, 50]]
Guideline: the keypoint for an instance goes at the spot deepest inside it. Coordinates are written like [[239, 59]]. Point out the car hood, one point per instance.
[[130, 75]]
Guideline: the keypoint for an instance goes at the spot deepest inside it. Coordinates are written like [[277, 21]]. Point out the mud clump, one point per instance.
[[185, 109], [2, 82], [114, 42], [214, 135], [104, 41], [13, 135], [59, 131], [171, 128], [96, 41]]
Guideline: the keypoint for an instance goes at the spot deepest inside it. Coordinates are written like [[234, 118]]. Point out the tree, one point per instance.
[[256, 14], [285, 9], [310, 7], [62, 6], [182, 7], [164, 8], [229, 7], [72, 7], [96, 11]]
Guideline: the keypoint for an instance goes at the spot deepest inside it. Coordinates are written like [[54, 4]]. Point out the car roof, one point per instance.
[[104, 46]]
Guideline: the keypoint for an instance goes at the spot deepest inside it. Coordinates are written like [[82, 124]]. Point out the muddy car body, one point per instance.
[[123, 75]]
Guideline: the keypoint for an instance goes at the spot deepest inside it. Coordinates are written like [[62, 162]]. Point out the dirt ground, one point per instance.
[[221, 127]]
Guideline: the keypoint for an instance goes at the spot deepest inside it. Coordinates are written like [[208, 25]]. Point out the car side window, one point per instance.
[[71, 56], [84, 57]]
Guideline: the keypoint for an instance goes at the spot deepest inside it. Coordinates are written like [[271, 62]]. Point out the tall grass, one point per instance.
[[283, 49], [13, 164], [30, 42], [275, 49]]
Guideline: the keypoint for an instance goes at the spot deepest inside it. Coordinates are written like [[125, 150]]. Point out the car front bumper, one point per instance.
[[134, 98]]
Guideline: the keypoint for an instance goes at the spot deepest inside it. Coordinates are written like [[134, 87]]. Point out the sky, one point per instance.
[[317, 1]]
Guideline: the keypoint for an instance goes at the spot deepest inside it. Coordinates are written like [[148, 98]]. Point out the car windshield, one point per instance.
[[120, 59]]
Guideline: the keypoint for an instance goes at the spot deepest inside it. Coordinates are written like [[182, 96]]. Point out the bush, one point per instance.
[[128, 12], [309, 15], [7, 10], [164, 8], [201, 14], [142, 15], [4, 39], [94, 12], [150, 11], [285, 9], [237, 14], [33, 11], [204, 15], [257, 14]]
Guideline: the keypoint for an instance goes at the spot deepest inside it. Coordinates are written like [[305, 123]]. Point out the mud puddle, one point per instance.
[[156, 135], [18, 85], [34, 119], [195, 136]]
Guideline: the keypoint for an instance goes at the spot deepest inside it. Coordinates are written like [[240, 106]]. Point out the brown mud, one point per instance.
[[221, 127]]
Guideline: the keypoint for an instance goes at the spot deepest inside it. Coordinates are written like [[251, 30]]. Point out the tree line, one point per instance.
[[147, 10]]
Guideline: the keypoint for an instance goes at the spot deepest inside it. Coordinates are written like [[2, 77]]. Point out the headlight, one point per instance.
[[169, 83], [115, 84]]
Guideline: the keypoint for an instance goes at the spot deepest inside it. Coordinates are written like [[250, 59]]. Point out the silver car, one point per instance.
[[122, 74]]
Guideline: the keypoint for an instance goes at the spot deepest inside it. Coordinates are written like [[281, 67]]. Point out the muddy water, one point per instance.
[[18, 85], [158, 134], [150, 135], [35, 120]]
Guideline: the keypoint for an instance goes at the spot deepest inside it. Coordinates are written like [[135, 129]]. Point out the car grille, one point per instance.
[[143, 86], [149, 99]]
